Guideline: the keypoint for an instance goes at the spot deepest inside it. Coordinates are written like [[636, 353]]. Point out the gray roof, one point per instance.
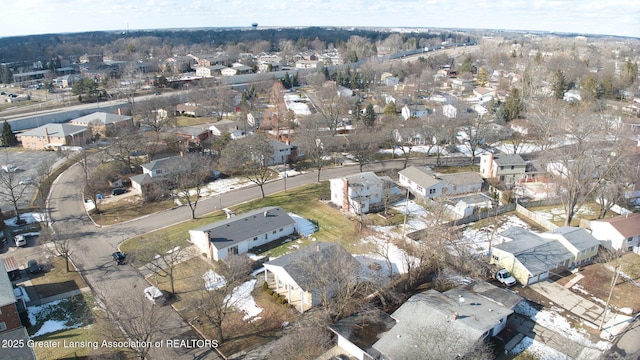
[[304, 264], [471, 199], [6, 289], [364, 179], [163, 163], [102, 118], [508, 159], [189, 130], [233, 230], [421, 175], [57, 130], [577, 236], [462, 178], [476, 315], [18, 352], [537, 254], [364, 329]]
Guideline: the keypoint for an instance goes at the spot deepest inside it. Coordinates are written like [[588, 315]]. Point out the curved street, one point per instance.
[[92, 245]]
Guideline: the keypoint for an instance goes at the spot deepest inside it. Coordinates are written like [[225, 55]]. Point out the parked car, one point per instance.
[[119, 257], [9, 168], [27, 181], [33, 266], [155, 295], [504, 277], [118, 191], [20, 240]]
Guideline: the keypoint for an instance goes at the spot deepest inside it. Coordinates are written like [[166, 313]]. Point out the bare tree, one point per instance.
[[545, 118], [161, 259], [441, 339], [330, 106], [302, 342], [249, 157], [153, 114], [315, 143], [364, 145], [11, 190], [215, 305], [95, 180], [190, 180], [122, 146], [139, 322]]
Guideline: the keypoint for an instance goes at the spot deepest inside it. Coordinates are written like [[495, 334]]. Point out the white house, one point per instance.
[[483, 94], [449, 111], [238, 234], [426, 183], [295, 275], [504, 167], [619, 233], [360, 193]]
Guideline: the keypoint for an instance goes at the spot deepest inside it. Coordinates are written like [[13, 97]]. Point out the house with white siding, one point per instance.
[[238, 234]]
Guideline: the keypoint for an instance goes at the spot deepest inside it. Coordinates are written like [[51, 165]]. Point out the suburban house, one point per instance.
[[193, 136], [308, 64], [54, 136], [449, 111], [361, 193], [463, 317], [303, 275], [281, 152], [531, 257], [104, 124], [156, 171], [422, 181], [618, 233], [506, 168], [209, 71], [238, 234], [483, 94], [190, 109], [414, 111], [11, 329]]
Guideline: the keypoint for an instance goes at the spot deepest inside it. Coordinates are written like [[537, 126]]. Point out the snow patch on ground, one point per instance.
[[479, 239], [30, 218], [213, 281], [50, 316], [551, 320], [243, 301], [538, 349], [303, 226]]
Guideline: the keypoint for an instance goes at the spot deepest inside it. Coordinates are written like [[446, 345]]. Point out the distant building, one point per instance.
[[54, 136], [506, 168], [104, 124], [361, 193]]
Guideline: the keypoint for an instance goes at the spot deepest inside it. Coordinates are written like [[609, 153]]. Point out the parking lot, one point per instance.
[[27, 163]]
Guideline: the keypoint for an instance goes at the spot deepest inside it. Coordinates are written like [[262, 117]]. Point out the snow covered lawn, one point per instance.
[[478, 239], [59, 315], [243, 301]]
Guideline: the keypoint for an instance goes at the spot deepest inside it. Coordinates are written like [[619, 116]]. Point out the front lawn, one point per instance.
[[556, 213], [127, 209], [57, 280]]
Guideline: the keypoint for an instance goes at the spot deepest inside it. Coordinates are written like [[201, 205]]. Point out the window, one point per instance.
[[432, 191], [255, 238], [630, 239], [512, 167], [495, 257], [232, 251], [280, 230], [3, 326], [274, 232], [501, 167]]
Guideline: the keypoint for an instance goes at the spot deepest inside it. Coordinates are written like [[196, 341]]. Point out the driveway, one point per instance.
[[584, 309]]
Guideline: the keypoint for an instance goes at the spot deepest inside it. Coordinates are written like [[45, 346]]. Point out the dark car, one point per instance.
[[33, 266], [118, 191], [119, 257]]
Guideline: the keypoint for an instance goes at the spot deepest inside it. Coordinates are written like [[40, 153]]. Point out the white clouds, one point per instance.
[[618, 17]]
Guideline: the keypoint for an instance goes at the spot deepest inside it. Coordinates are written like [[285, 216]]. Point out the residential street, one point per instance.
[[93, 245]]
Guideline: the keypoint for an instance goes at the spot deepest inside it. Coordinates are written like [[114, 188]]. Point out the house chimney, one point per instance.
[[266, 213], [119, 113], [454, 317], [317, 247]]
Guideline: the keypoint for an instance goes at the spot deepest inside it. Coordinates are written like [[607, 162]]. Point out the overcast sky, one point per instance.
[[612, 17]]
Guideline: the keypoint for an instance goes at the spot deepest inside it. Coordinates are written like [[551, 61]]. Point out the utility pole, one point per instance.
[[613, 285]]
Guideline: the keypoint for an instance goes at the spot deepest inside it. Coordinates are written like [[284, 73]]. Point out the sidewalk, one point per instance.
[[584, 309]]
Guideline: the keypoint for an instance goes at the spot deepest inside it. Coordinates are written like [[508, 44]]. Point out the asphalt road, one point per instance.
[[93, 245]]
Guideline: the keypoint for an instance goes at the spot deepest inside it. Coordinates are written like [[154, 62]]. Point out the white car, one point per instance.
[[20, 240], [27, 181], [504, 277]]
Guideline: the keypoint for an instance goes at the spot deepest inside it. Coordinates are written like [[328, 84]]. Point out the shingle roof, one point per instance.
[[56, 130], [421, 175], [233, 230], [304, 264], [578, 237], [364, 179], [537, 254], [163, 163], [508, 159], [627, 226], [102, 118], [462, 178], [17, 352], [6, 289]]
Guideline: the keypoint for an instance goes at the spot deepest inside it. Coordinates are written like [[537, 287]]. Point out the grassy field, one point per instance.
[[127, 209], [304, 201], [57, 280]]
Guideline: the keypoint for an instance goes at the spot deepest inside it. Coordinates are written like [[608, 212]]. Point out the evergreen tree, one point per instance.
[[513, 105], [8, 137], [467, 65], [369, 116], [356, 114], [559, 84], [390, 109], [286, 81], [6, 76]]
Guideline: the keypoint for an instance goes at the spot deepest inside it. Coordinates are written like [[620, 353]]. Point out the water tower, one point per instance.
[[254, 25]]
